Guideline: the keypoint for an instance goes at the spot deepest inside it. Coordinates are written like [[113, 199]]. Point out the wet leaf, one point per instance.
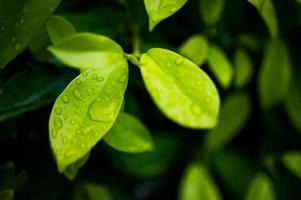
[[243, 68], [197, 184], [211, 11], [195, 48], [128, 134], [220, 66], [292, 161], [181, 90], [85, 111], [261, 188], [234, 114], [59, 28], [274, 74], [87, 50], [159, 10], [19, 22]]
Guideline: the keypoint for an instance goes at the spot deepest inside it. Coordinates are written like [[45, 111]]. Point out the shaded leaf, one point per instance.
[[128, 134], [159, 10], [197, 184], [235, 112], [261, 188], [243, 68], [92, 191], [274, 74], [7, 195], [195, 48], [87, 50], [220, 66], [19, 22], [268, 13], [6, 176], [85, 111], [72, 170], [211, 11], [181, 90], [59, 28], [292, 161]]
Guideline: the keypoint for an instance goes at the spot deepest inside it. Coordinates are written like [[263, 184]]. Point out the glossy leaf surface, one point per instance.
[[220, 66], [182, 91], [59, 28], [261, 188], [159, 10], [195, 48], [243, 68], [128, 134], [292, 161], [268, 13], [197, 184], [234, 114], [211, 11], [85, 111], [274, 74], [19, 22], [87, 50]]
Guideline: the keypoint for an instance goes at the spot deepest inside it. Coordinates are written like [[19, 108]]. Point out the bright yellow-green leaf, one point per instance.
[[197, 184], [72, 170], [85, 111], [128, 134], [292, 161], [7, 195], [181, 90], [159, 10], [211, 11], [243, 68], [268, 13], [195, 48], [220, 66], [59, 28], [87, 50], [261, 188], [274, 75], [293, 102], [234, 114]]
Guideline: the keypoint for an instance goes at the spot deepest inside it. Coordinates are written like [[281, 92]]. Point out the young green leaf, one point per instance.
[[261, 188], [197, 184], [85, 111], [220, 66], [87, 51], [211, 11], [268, 13], [128, 134], [92, 191], [243, 68], [274, 75], [59, 28], [234, 114], [19, 23], [7, 195], [292, 161], [181, 90], [293, 102], [159, 10], [195, 48]]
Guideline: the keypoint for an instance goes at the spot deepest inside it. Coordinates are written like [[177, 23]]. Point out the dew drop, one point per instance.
[[69, 154], [83, 146], [78, 81], [65, 116], [76, 105], [65, 140], [90, 92], [196, 109], [58, 123], [122, 79], [87, 129], [65, 99], [85, 74], [78, 131], [94, 76], [179, 61], [77, 95], [53, 133], [72, 122], [58, 111], [100, 79]]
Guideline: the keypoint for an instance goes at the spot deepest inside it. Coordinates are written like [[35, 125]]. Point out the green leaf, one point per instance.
[[274, 74], [6, 176], [292, 161], [268, 13], [220, 66], [195, 48], [92, 191], [293, 102], [181, 90], [211, 11], [72, 170], [128, 134], [150, 164], [85, 111], [59, 28], [159, 10], [243, 68], [40, 86], [261, 188], [87, 50], [7, 195], [234, 115], [197, 184], [19, 22]]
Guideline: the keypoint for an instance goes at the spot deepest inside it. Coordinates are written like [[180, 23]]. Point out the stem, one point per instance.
[[134, 59], [136, 40]]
